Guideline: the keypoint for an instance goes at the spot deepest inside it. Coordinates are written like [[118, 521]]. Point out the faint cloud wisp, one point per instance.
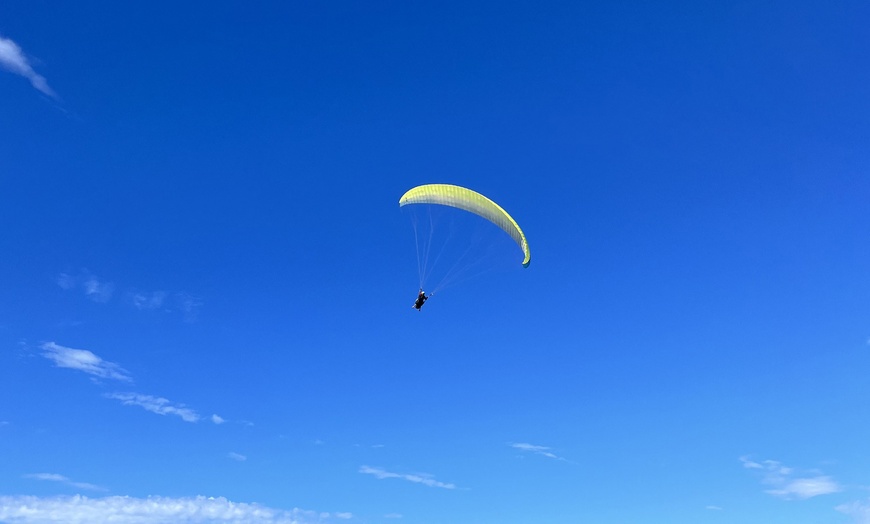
[[188, 305], [419, 478], [538, 450], [158, 405], [54, 477], [83, 360], [859, 511], [785, 483], [144, 300], [101, 291], [93, 288], [13, 59]]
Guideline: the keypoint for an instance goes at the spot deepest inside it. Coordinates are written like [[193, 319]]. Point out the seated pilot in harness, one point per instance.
[[421, 298]]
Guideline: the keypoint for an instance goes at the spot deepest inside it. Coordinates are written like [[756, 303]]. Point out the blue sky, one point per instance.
[[207, 278]]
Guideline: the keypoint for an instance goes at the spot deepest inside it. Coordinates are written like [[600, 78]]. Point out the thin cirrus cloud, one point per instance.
[[151, 510], [95, 289], [88, 362], [537, 450], [147, 300], [238, 457], [101, 291], [13, 59], [787, 483], [158, 405], [184, 303], [54, 477], [859, 511], [84, 361], [418, 478]]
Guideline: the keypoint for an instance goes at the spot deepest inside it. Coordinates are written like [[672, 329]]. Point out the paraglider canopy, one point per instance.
[[473, 202]]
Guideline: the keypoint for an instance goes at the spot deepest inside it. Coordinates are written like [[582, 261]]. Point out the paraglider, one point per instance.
[[464, 199], [473, 202], [421, 298]]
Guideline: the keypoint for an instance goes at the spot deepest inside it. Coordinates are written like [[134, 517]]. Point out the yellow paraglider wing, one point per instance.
[[473, 202]]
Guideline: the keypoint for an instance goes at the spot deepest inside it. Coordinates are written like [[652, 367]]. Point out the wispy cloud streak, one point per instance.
[[152, 510], [98, 290], [786, 483], [54, 477], [859, 511], [83, 360], [158, 405], [147, 300], [538, 450], [13, 59], [188, 305], [93, 288], [87, 362], [419, 478], [238, 457]]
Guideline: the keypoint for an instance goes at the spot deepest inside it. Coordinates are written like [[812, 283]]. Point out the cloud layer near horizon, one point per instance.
[[152, 510]]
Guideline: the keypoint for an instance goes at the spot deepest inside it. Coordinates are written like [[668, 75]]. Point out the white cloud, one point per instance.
[[46, 476], [83, 360], [419, 478], [12, 59], [54, 477], [858, 510], [786, 483], [237, 456], [538, 450], [152, 510], [344, 515], [714, 508], [804, 488], [158, 405], [393, 516], [88, 362]]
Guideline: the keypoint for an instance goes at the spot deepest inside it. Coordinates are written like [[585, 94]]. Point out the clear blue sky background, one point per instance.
[[201, 198]]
